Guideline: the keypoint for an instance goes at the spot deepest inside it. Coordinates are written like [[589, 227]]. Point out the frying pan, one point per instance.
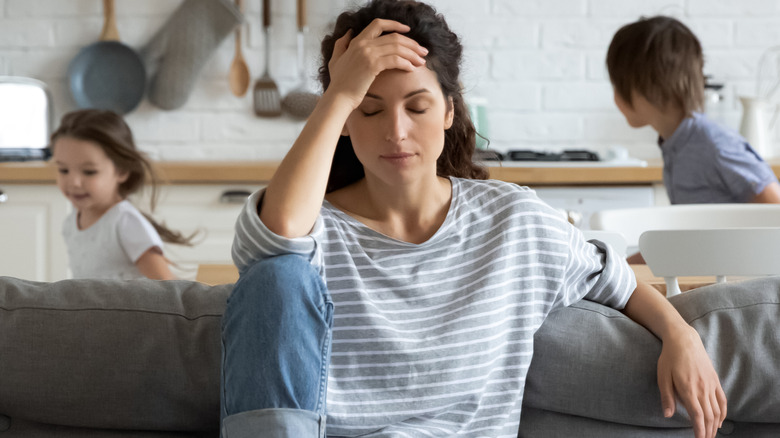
[[107, 74]]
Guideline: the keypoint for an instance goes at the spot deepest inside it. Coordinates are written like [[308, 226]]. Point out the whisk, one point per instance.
[[300, 102]]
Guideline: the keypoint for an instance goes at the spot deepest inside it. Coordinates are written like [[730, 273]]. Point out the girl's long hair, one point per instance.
[[109, 131], [431, 31]]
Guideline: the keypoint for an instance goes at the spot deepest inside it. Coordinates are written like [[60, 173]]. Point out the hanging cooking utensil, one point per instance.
[[239, 77], [266, 93], [107, 74], [300, 102]]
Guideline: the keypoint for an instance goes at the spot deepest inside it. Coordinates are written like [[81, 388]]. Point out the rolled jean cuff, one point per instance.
[[274, 423]]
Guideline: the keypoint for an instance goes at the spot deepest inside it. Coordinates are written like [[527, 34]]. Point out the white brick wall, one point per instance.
[[538, 63]]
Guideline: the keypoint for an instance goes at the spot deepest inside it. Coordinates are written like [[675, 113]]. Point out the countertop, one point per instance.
[[255, 172]]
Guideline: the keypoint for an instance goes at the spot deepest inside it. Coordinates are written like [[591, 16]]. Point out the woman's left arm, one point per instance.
[[684, 367]]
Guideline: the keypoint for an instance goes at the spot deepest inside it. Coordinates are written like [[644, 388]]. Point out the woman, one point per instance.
[[396, 289]]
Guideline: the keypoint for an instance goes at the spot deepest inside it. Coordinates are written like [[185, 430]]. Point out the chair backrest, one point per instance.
[[611, 238], [719, 252], [632, 222]]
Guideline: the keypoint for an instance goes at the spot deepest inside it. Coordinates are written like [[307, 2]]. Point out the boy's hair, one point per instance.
[[108, 130], [661, 59]]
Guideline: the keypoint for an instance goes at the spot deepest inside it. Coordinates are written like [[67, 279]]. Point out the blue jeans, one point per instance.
[[276, 336]]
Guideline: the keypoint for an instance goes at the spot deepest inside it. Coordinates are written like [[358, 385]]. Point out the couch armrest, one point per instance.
[[594, 362]]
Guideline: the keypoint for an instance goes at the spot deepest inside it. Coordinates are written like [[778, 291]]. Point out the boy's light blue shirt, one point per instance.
[[707, 163]]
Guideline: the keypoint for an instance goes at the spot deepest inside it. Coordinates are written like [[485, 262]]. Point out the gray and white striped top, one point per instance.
[[435, 339]]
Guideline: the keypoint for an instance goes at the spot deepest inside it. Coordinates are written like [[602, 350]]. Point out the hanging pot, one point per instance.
[[107, 74]]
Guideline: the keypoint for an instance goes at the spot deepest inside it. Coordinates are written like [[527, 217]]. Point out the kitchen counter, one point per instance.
[[198, 172], [252, 172], [174, 172]]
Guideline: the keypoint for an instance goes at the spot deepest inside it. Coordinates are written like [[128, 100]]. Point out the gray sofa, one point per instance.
[[95, 358]]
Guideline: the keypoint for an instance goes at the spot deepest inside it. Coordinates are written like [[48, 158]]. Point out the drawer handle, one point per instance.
[[3, 197], [234, 196]]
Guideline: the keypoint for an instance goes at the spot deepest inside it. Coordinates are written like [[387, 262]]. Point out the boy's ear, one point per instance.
[[449, 117]]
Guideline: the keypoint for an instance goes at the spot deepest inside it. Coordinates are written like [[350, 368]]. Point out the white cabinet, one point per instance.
[[581, 202], [31, 245], [211, 210], [31, 217]]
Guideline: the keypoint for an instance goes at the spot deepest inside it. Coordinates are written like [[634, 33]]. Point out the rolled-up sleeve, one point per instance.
[[596, 272], [253, 241]]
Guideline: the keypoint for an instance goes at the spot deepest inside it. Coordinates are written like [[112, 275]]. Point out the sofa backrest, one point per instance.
[[112, 354]]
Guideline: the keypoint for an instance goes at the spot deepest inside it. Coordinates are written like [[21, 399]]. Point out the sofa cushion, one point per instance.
[[139, 354], [590, 352], [26, 429], [541, 423], [144, 355]]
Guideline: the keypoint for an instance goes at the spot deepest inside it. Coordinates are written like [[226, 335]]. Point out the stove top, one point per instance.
[[566, 158], [531, 155], [567, 155]]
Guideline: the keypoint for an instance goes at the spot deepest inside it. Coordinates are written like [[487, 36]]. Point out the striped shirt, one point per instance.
[[435, 339]]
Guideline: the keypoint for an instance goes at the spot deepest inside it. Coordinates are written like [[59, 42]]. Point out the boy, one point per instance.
[[655, 66]]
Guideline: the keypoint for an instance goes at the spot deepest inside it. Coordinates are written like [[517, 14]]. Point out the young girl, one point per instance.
[[387, 287], [98, 167]]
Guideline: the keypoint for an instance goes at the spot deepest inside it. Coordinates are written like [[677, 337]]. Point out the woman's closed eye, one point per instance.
[[412, 109], [417, 110]]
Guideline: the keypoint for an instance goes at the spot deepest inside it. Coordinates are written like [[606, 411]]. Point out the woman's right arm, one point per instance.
[[293, 198]]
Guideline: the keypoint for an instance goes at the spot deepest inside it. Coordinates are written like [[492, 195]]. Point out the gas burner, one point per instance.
[[487, 155], [567, 155]]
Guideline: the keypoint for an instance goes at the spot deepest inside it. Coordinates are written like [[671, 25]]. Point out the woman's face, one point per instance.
[[397, 132]]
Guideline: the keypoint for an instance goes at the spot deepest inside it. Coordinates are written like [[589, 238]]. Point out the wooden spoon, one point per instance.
[[239, 76]]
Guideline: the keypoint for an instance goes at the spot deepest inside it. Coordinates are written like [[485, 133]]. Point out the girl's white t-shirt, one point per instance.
[[111, 246]]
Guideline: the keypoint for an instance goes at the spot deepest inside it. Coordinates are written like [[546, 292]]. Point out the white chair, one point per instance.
[[712, 252], [632, 222]]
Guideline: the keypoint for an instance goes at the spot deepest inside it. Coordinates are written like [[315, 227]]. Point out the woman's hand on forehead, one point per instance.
[[381, 46]]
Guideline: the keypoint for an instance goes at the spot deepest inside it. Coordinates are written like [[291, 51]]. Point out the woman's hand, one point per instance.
[[685, 369], [294, 195], [357, 61]]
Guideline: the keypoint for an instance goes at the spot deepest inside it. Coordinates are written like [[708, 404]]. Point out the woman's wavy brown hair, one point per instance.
[[109, 131], [431, 31], [662, 60]]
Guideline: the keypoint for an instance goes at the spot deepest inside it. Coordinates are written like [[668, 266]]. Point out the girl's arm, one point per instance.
[[684, 367], [154, 265], [294, 195]]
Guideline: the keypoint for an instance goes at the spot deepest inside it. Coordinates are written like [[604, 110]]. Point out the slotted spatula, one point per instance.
[[267, 101]]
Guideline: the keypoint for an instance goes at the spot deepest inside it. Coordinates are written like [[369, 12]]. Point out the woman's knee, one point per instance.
[[270, 283]]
